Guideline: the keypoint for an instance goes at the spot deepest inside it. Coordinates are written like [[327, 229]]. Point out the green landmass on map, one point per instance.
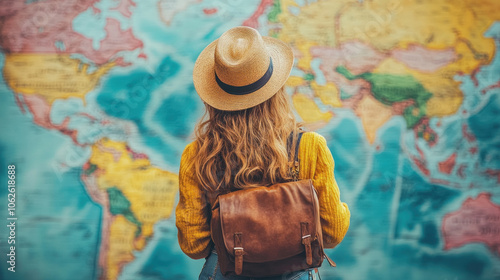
[[390, 89], [119, 204]]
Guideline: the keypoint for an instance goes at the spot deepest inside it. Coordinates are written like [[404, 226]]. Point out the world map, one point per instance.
[[97, 105]]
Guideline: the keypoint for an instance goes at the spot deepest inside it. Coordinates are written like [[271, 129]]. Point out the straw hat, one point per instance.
[[241, 69]]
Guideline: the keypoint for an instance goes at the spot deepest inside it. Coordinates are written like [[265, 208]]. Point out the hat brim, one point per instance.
[[209, 91]]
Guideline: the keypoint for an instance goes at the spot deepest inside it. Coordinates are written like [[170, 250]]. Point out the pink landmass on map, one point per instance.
[[363, 90], [466, 134], [40, 110], [461, 171], [19, 103], [477, 220], [210, 11], [117, 40], [96, 10], [359, 57], [494, 173], [136, 155], [420, 161], [10, 7], [39, 26], [356, 56], [421, 165], [331, 58], [32, 28], [423, 59], [491, 87], [423, 127], [121, 62], [100, 197], [87, 115], [446, 166], [253, 21], [473, 76], [398, 108], [124, 7]]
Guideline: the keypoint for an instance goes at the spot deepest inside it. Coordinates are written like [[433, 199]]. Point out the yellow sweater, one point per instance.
[[316, 163]]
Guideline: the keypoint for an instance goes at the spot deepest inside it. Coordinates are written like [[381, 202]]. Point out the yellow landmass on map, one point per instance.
[[299, 32], [305, 55], [446, 94], [373, 115], [150, 191], [396, 24], [52, 76], [308, 110], [313, 25], [294, 81], [328, 94], [436, 24], [120, 246]]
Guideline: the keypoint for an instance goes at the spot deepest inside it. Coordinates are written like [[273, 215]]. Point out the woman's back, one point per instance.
[[316, 163], [241, 78]]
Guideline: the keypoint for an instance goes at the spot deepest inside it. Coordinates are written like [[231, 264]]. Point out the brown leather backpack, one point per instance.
[[269, 231]]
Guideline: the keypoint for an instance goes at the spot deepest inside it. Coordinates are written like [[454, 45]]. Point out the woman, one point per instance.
[[243, 143]]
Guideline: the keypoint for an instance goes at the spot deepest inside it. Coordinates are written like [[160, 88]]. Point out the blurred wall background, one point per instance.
[[97, 104]]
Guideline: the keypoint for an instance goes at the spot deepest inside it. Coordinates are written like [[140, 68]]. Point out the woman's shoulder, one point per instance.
[[192, 145], [313, 145], [313, 151], [312, 139], [191, 149]]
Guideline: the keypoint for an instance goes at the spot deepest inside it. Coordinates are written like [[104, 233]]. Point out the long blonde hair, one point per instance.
[[246, 148]]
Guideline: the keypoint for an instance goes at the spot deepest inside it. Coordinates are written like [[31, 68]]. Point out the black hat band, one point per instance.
[[248, 88]]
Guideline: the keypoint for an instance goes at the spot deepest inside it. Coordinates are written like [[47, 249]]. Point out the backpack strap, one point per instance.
[[295, 174], [306, 241], [330, 261], [294, 169], [238, 253], [294, 165]]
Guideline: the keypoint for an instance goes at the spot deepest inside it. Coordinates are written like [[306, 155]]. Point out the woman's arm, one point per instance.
[[193, 212], [335, 215]]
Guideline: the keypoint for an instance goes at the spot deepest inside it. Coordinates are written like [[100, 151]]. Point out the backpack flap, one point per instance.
[[270, 223]]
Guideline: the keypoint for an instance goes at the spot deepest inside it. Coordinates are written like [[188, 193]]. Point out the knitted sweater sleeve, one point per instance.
[[192, 214], [316, 161], [335, 214]]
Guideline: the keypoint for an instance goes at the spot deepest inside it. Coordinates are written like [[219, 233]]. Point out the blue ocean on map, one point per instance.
[[98, 95]]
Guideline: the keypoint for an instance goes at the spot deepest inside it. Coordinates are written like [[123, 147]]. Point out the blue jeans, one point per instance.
[[211, 271]]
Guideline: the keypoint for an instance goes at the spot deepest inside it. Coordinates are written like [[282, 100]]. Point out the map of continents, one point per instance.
[[98, 104]]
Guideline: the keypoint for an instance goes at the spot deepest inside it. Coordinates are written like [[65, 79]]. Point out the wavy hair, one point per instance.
[[246, 148]]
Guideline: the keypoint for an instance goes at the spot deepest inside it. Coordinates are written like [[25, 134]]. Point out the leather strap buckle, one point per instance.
[[306, 241], [238, 253]]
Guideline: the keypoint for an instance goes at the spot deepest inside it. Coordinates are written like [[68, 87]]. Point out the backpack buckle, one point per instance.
[[306, 241], [238, 253]]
